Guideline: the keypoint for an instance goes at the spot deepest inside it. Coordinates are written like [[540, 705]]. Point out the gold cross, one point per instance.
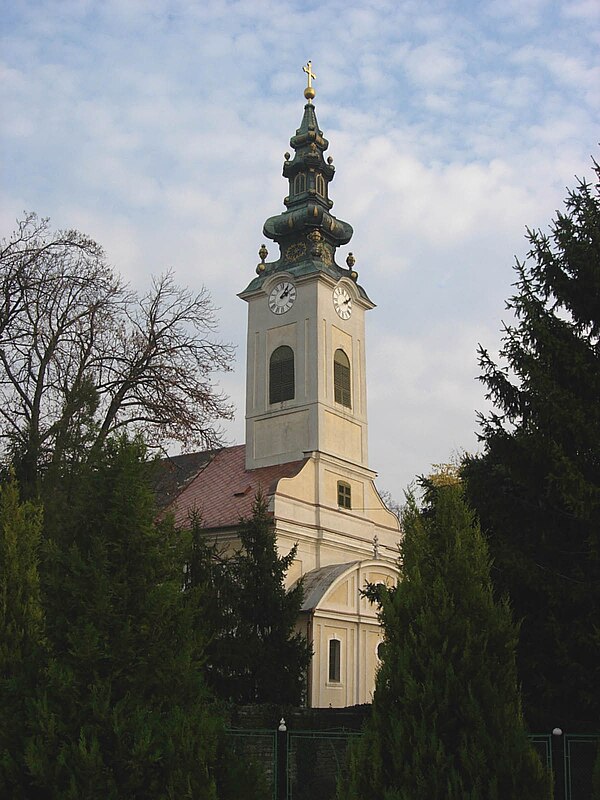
[[309, 73]]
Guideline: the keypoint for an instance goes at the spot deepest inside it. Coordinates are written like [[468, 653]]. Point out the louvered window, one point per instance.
[[341, 379], [300, 183], [281, 375], [320, 184]]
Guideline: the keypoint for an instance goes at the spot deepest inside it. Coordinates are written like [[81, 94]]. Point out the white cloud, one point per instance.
[[422, 400], [565, 68], [434, 65], [520, 13], [585, 10], [159, 127]]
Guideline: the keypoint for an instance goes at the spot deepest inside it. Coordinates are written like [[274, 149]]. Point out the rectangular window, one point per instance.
[[344, 495], [335, 647]]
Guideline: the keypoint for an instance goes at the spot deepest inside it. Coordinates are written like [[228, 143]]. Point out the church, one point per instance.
[[306, 430]]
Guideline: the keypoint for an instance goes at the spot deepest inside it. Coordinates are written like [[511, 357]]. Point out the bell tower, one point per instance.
[[305, 380]]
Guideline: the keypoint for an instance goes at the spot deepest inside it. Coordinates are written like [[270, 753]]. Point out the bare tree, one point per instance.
[[390, 502], [82, 356]]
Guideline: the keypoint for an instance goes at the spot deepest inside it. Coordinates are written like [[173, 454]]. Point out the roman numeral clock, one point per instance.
[[282, 297]]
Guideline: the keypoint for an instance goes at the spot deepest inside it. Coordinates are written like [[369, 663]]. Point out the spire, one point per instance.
[[306, 232]]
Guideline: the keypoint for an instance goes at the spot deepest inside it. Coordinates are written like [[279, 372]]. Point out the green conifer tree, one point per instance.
[[446, 719], [536, 485], [596, 776], [123, 711], [255, 654], [22, 649]]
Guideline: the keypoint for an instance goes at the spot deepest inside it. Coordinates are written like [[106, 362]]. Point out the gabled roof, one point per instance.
[[319, 581], [223, 490]]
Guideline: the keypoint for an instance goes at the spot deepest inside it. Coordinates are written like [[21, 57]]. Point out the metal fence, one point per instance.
[[580, 754], [297, 765], [314, 761], [259, 747], [571, 757], [305, 764]]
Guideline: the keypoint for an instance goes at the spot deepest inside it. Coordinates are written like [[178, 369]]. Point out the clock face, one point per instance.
[[282, 297], [342, 302]]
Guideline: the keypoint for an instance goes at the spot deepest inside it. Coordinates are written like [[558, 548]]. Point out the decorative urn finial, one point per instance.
[[263, 253], [351, 261]]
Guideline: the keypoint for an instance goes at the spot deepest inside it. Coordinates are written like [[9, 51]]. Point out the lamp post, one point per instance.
[[282, 758]]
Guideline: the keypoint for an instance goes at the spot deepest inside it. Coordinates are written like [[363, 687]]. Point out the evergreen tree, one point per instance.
[[596, 776], [255, 654], [536, 486], [446, 720], [22, 648], [122, 711]]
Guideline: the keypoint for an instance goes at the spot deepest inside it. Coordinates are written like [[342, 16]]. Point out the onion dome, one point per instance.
[[307, 233]]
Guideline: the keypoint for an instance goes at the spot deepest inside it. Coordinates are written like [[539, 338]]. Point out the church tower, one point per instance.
[[306, 413], [306, 431], [306, 386]]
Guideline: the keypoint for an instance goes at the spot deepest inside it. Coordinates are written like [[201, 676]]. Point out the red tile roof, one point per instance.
[[224, 490]]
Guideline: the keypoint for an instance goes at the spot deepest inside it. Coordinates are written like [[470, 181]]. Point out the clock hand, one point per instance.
[[284, 294]]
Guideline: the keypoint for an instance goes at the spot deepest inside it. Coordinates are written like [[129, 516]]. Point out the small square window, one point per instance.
[[344, 495]]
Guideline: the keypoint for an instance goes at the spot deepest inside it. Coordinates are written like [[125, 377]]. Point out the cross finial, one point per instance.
[[309, 92]]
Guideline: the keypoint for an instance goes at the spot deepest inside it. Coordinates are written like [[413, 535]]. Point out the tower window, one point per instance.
[[344, 495], [320, 185], [341, 379], [335, 651], [300, 183], [281, 375]]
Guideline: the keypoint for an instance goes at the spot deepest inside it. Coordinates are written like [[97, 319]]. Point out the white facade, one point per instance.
[[336, 612]]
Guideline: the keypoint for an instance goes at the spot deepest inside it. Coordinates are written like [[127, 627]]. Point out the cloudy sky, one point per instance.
[[158, 127]]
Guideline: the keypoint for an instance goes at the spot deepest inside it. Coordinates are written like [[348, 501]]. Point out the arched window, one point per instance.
[[344, 492], [341, 379], [335, 652], [281, 375], [300, 183], [320, 185]]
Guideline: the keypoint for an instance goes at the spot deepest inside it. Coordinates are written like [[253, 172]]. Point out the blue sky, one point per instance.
[[158, 127]]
